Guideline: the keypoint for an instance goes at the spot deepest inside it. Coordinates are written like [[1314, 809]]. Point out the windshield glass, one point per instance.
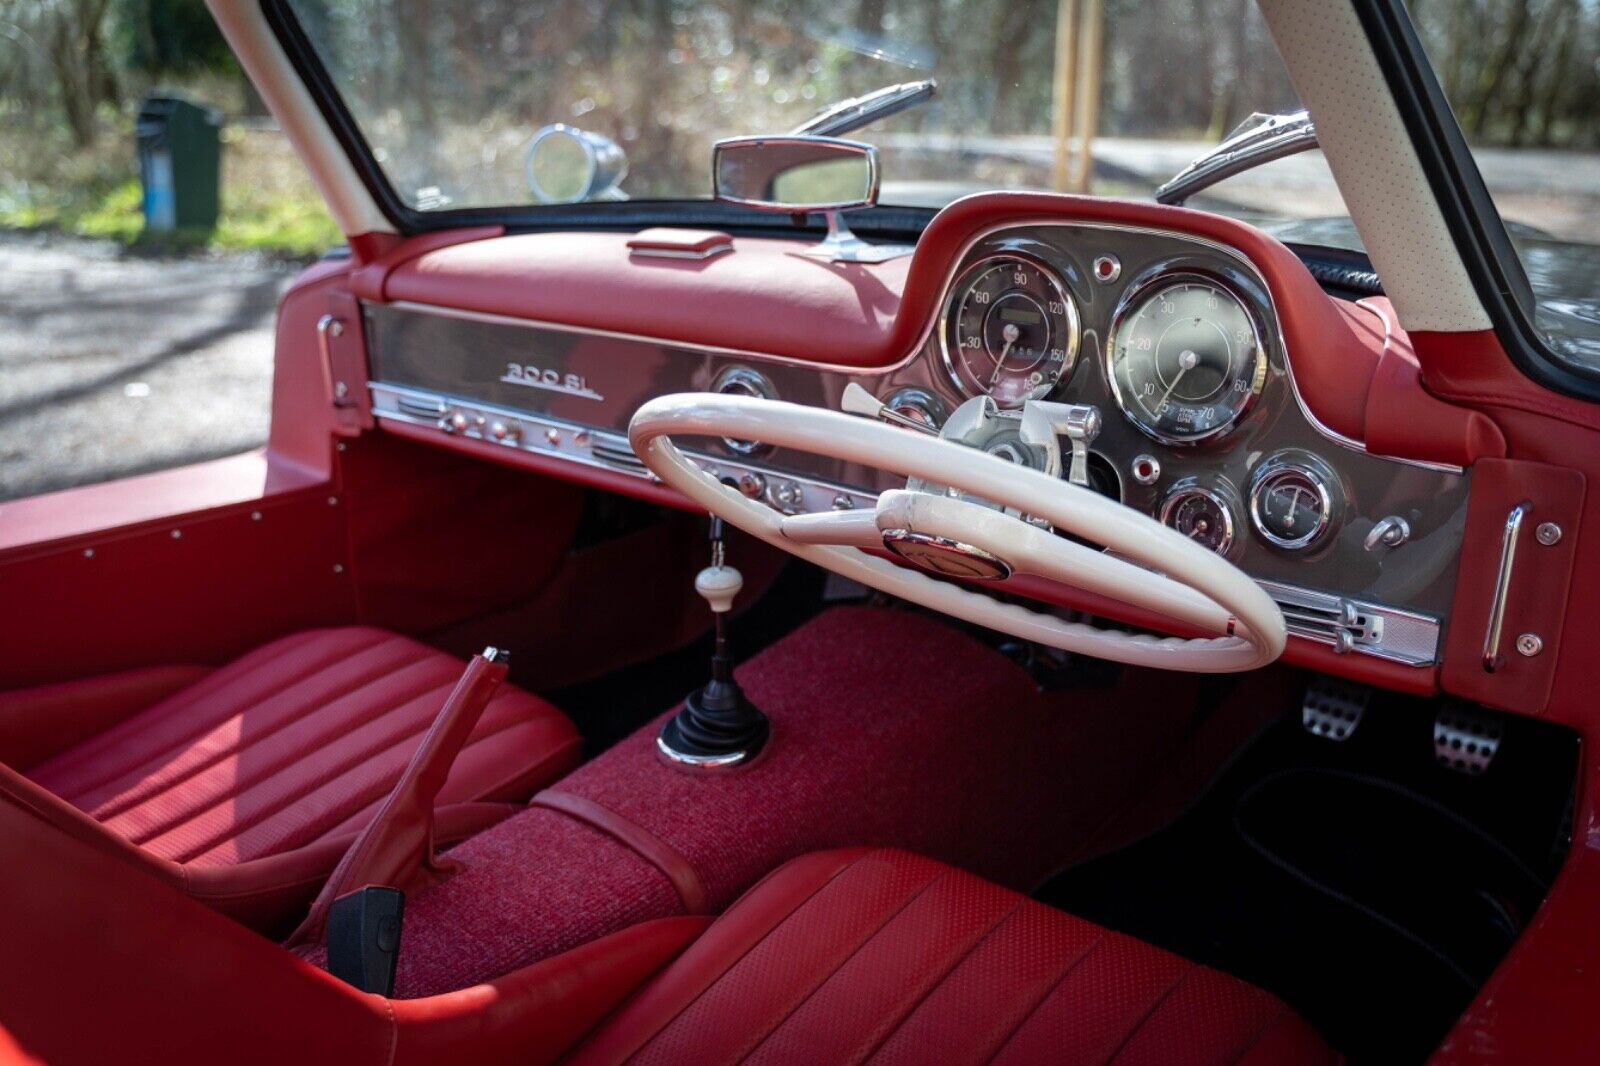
[[450, 95]]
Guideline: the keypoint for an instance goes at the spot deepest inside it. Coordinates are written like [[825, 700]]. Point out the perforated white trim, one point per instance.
[[1375, 164]]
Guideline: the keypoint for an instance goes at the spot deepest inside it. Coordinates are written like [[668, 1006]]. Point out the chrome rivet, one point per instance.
[[1530, 645], [552, 437], [255, 516], [1146, 469], [88, 553], [339, 446], [1548, 534], [333, 501], [1107, 269], [336, 327], [842, 502], [177, 534], [338, 568]]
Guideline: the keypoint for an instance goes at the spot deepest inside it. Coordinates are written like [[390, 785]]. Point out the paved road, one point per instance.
[[113, 365]]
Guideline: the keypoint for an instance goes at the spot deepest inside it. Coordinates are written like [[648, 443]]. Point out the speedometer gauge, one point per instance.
[[1186, 358], [1010, 330]]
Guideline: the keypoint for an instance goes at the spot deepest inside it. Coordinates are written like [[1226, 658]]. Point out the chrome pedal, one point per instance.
[[1466, 739], [1333, 708]]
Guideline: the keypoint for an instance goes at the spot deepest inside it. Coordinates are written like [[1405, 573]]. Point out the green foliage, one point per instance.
[[280, 219], [161, 37]]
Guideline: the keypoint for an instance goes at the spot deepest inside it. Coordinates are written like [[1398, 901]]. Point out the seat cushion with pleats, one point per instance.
[[884, 956], [298, 742]]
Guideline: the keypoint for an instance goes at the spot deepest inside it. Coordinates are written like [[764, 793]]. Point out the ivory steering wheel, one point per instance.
[[1179, 580]]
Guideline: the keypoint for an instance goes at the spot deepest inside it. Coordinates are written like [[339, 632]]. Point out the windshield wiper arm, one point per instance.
[[838, 119], [1258, 139]]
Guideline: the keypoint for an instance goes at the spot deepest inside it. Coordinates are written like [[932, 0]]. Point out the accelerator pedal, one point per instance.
[[1466, 739]]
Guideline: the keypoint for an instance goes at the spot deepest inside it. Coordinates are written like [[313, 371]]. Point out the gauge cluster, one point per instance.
[[1175, 341]]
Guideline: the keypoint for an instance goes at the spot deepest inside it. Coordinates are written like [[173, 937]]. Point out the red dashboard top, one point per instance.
[[1352, 363]]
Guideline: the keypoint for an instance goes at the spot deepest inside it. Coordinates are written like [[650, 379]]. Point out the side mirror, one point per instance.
[[795, 173], [566, 165]]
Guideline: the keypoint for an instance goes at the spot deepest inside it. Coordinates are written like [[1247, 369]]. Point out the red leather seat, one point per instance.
[[271, 764], [846, 956]]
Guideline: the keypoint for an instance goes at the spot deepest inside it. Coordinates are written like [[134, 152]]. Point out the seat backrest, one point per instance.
[[104, 960]]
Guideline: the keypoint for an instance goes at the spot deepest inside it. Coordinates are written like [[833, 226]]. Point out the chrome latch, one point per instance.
[[1355, 628], [330, 327]]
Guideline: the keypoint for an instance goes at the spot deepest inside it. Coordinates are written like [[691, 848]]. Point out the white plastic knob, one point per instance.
[[719, 585]]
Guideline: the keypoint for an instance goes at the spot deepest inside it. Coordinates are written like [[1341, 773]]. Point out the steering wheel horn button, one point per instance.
[[946, 557]]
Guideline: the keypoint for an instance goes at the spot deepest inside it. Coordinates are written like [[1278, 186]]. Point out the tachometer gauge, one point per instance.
[[1186, 358], [1010, 330]]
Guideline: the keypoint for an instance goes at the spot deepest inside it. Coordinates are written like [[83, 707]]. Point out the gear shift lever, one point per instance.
[[717, 727]]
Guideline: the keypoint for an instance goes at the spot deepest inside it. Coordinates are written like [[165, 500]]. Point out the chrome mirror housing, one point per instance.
[[800, 173], [794, 173]]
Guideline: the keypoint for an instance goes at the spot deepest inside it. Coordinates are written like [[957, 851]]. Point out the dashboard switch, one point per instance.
[[1388, 532]]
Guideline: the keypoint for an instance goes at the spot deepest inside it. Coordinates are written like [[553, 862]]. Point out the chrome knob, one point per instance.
[[1388, 532], [752, 484], [788, 495]]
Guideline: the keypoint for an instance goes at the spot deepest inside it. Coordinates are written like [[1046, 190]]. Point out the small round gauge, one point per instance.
[[1186, 358], [1203, 515], [1010, 330], [1291, 504]]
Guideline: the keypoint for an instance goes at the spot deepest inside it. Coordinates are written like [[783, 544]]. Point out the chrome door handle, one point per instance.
[[1492, 659]]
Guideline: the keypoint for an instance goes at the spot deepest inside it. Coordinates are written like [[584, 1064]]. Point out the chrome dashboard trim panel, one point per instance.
[[598, 448], [490, 318], [1352, 625]]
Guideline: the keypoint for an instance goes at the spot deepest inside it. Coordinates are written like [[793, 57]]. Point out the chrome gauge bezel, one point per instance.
[[959, 285], [1188, 488], [745, 382], [1155, 279], [1274, 467]]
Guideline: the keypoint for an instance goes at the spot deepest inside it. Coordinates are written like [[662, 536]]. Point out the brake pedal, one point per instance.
[[1333, 708], [1466, 739]]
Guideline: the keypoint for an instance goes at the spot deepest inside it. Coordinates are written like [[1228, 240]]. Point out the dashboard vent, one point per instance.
[[416, 406], [616, 452], [1329, 619]]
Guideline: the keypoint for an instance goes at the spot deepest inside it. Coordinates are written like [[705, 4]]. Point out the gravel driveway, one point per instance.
[[113, 364]]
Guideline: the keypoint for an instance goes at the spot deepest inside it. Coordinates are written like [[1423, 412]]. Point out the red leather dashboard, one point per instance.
[[768, 296]]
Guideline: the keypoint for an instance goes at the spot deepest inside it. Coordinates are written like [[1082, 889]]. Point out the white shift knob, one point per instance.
[[719, 585]]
